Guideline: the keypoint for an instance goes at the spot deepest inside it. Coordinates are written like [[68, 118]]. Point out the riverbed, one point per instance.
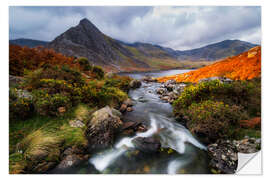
[[182, 153]]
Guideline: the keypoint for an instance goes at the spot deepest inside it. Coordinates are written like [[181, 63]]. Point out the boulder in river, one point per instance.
[[147, 144], [135, 83], [102, 127]]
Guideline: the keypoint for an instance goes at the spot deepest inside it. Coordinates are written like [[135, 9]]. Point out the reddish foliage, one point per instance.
[[21, 58], [251, 123], [241, 67]]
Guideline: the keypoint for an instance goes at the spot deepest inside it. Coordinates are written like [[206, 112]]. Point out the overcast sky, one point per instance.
[[176, 27]]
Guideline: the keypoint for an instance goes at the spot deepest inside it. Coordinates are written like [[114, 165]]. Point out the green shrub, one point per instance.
[[98, 72], [20, 105], [65, 73], [121, 82], [214, 119], [102, 96], [84, 63], [48, 104], [244, 93]]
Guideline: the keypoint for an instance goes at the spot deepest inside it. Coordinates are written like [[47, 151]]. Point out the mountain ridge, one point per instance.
[[86, 40]]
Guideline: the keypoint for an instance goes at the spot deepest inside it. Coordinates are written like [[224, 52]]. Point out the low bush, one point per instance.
[[48, 104], [214, 119], [97, 72], [84, 64], [243, 93], [92, 94], [121, 82]]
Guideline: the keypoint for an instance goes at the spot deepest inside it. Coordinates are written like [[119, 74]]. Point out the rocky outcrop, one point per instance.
[[223, 157], [72, 157], [102, 127], [147, 144], [223, 153], [131, 127], [86, 40], [170, 90], [126, 106]]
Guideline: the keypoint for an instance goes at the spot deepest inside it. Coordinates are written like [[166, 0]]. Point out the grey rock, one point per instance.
[[102, 127]]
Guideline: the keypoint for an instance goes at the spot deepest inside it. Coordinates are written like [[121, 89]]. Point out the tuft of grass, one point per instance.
[[43, 138]]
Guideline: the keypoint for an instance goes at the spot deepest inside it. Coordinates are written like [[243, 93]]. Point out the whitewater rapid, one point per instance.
[[172, 136]]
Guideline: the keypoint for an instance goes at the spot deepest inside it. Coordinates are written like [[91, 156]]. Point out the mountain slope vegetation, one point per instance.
[[244, 66]]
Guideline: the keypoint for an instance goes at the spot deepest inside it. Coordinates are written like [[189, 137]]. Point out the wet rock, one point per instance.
[[165, 98], [128, 102], [169, 82], [129, 109], [142, 99], [123, 108], [147, 144], [131, 125], [135, 84], [161, 91], [102, 127], [223, 157]]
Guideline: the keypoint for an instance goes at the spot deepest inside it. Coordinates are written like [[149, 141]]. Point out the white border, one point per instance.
[[4, 76]]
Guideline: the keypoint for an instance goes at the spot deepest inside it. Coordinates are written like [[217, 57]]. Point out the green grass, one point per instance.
[[49, 135]]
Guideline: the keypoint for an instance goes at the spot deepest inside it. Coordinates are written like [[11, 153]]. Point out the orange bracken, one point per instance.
[[244, 66]]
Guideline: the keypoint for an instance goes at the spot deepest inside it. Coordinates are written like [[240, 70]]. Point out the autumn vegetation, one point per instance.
[[244, 66], [53, 89]]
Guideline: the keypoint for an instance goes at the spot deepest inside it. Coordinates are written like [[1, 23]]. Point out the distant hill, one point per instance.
[[244, 66], [28, 42], [215, 51]]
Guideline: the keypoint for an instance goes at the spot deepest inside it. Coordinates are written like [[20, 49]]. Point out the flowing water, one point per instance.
[[182, 153]]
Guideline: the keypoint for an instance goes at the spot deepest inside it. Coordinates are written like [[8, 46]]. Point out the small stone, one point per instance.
[[223, 157], [129, 109], [123, 108], [61, 110]]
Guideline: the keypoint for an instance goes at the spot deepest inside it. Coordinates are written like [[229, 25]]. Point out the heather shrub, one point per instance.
[[213, 119]]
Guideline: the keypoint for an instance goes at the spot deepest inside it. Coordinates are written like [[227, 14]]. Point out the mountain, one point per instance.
[[86, 40], [28, 42], [215, 51], [244, 66]]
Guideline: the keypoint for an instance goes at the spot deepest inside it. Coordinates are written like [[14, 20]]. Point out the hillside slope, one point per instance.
[[215, 51], [246, 65], [28, 42]]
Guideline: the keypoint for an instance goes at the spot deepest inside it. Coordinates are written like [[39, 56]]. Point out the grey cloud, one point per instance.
[[175, 27]]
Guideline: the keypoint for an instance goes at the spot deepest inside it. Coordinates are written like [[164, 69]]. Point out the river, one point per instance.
[[188, 155]]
